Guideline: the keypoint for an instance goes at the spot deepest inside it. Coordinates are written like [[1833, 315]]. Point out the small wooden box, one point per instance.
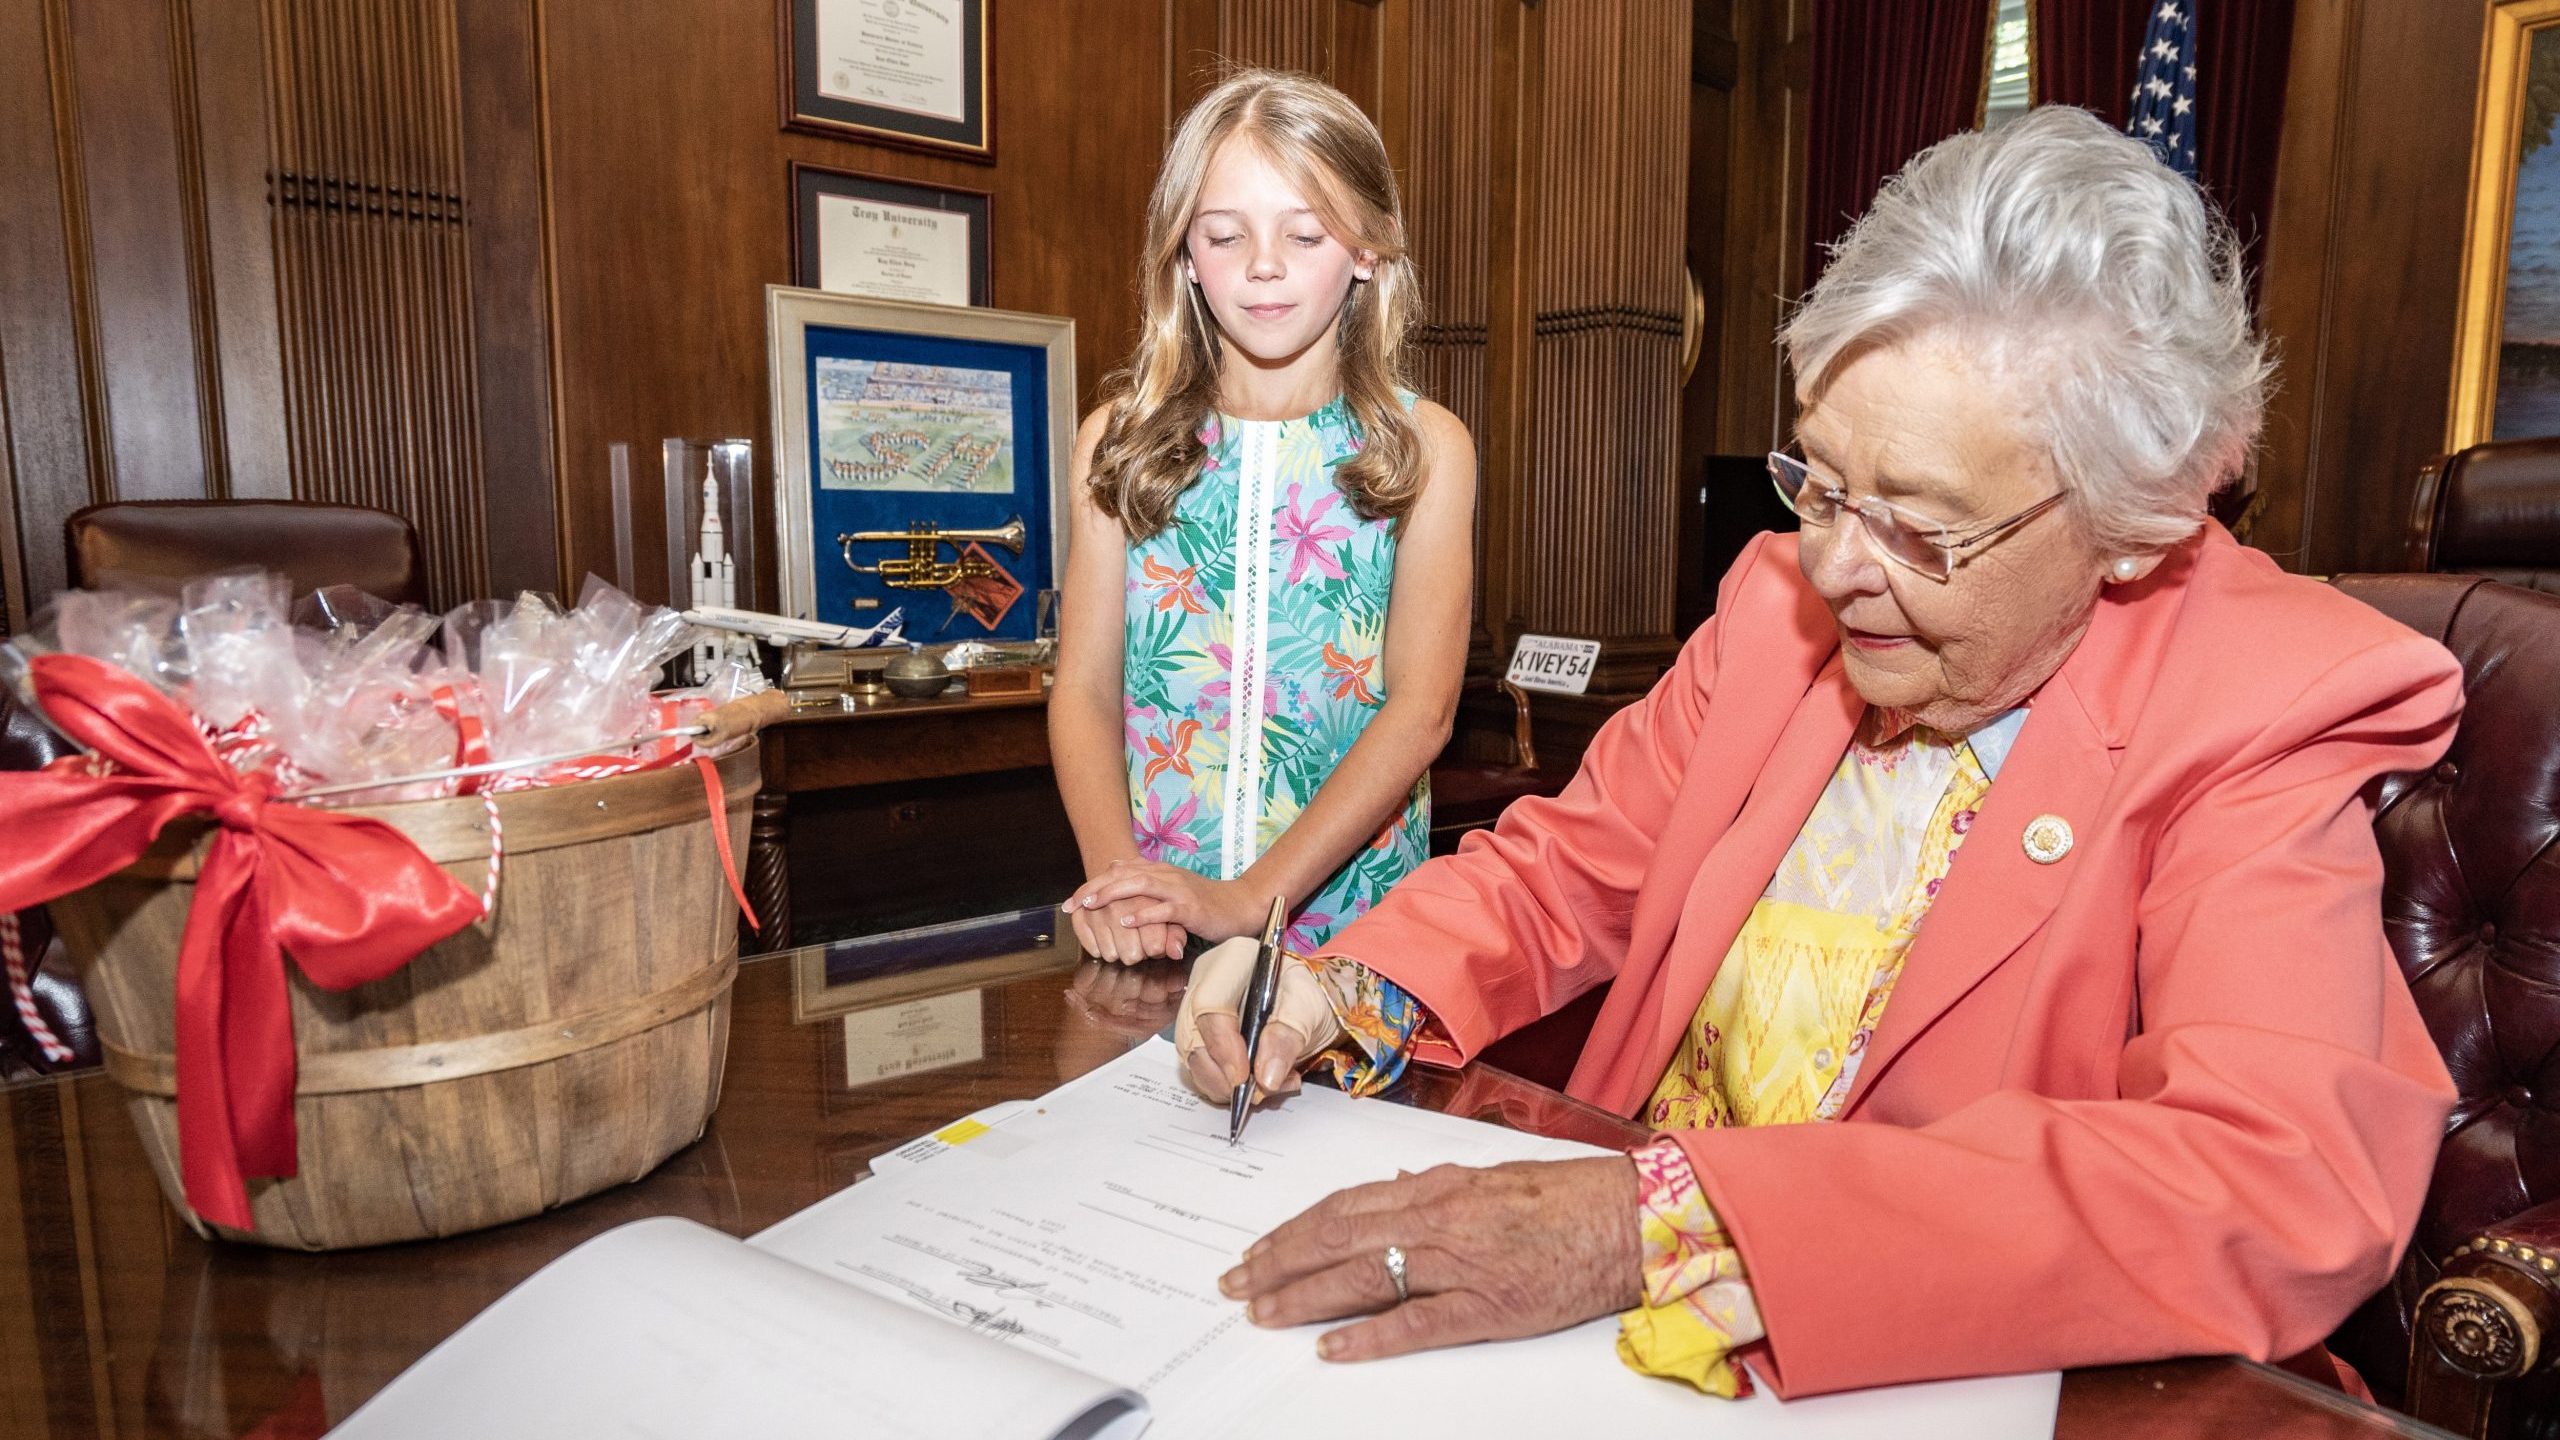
[[1004, 680]]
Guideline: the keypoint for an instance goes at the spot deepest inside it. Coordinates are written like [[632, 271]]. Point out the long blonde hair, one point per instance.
[[1151, 448]]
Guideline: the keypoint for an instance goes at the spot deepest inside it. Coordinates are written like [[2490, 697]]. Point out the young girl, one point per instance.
[[1265, 619]]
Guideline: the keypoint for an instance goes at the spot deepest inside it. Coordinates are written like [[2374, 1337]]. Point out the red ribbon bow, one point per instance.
[[350, 898]]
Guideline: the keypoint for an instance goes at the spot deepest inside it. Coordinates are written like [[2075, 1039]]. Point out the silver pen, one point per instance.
[[1259, 993]]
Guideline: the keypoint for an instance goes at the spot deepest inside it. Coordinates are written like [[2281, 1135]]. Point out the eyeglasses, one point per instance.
[[1924, 547]]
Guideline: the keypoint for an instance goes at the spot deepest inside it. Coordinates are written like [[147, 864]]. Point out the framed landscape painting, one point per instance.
[[2507, 338]]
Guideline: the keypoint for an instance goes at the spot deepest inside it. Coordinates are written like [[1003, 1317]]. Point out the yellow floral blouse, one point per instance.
[[1779, 1036]]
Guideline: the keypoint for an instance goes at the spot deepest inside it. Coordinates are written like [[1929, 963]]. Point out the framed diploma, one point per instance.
[[920, 462], [899, 72], [887, 239]]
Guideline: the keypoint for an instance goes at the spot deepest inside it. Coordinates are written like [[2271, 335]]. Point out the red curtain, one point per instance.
[[1889, 80], [2086, 55]]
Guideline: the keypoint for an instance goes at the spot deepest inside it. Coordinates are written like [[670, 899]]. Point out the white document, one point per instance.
[[666, 1328], [1095, 1236], [1032, 1273]]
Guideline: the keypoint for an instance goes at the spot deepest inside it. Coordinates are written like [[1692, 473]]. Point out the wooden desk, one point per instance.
[[116, 1321], [882, 740]]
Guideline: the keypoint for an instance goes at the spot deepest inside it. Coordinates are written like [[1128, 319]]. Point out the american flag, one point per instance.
[[2164, 90]]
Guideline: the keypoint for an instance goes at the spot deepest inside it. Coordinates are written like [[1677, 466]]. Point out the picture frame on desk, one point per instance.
[[857, 234], [910, 965], [2506, 380], [892, 72], [889, 415]]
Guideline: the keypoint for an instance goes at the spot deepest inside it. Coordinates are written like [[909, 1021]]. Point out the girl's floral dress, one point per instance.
[[1255, 625]]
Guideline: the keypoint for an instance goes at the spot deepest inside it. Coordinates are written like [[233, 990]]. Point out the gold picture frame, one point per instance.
[[2498, 153]]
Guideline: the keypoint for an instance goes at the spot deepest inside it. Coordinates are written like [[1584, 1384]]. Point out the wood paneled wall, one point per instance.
[[670, 212], [253, 251], [2363, 264], [440, 257], [371, 272]]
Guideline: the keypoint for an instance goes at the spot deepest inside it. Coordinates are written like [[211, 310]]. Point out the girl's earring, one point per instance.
[[2125, 568]]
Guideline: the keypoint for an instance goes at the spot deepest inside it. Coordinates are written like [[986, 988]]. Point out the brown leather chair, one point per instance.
[[2491, 510], [159, 545], [2471, 853]]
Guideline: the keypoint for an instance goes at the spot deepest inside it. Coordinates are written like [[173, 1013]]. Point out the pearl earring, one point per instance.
[[2125, 568]]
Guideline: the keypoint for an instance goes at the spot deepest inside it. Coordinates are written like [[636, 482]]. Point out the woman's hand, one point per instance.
[[1171, 895], [1109, 934], [1497, 1254], [1209, 1040]]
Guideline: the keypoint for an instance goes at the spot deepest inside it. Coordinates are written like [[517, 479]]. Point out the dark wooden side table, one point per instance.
[[881, 740]]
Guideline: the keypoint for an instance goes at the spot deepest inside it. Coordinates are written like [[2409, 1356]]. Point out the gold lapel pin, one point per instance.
[[2048, 839]]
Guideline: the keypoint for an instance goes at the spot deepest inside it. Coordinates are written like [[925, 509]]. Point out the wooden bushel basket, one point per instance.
[[569, 1046]]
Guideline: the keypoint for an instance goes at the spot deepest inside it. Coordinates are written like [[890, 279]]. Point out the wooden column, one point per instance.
[[2363, 273], [1598, 517]]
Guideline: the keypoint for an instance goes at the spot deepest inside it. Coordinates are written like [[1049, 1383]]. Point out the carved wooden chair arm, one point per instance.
[[1523, 753], [2494, 1313]]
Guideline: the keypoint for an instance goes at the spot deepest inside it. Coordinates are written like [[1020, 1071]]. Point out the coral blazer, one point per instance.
[[2166, 1095]]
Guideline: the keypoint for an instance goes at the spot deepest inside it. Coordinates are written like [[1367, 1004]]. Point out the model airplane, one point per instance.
[[782, 630]]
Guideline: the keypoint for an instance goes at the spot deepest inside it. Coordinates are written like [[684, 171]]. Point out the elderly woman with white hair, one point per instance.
[[1988, 896]]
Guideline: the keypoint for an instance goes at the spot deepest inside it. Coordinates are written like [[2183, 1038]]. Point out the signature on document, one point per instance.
[[987, 1277]]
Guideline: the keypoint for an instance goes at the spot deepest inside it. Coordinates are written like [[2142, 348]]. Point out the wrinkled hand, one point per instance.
[[1110, 934], [1493, 1254], [1171, 895], [1210, 1039], [1128, 1000]]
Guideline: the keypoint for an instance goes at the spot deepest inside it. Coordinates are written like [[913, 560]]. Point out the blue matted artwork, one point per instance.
[[905, 428]]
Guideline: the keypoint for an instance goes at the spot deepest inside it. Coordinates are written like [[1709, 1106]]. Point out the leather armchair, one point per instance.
[[2471, 851], [159, 545], [2491, 510]]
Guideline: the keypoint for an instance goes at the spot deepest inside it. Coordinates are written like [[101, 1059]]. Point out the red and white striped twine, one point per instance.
[[497, 847], [22, 991]]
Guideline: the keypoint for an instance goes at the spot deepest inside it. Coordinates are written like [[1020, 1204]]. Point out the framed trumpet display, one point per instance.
[[920, 461]]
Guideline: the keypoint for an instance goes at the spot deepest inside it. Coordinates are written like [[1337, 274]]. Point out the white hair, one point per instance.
[[2066, 253]]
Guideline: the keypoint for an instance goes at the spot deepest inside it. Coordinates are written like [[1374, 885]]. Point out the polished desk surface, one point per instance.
[[115, 1320]]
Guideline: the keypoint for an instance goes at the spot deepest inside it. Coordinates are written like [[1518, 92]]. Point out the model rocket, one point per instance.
[[715, 581]]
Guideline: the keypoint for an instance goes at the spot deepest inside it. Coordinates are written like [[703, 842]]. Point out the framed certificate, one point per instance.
[[887, 239], [899, 72], [920, 461]]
